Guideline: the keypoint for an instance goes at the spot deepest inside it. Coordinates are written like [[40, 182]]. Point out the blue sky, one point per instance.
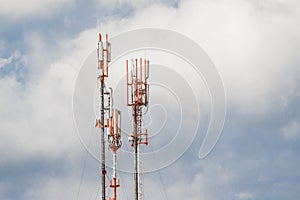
[[254, 45]]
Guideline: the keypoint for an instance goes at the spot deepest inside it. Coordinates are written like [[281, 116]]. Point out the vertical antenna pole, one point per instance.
[[138, 100], [103, 167], [104, 55], [135, 146], [127, 101], [103, 170], [115, 143]]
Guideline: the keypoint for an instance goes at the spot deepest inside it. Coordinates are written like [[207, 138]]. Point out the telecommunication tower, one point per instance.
[[137, 97], [110, 118]]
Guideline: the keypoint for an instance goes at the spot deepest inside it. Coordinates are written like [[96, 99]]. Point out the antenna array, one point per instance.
[[137, 97]]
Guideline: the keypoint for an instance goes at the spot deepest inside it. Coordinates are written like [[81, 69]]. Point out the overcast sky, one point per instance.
[[255, 46]]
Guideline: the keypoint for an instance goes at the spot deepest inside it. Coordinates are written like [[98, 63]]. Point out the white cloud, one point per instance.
[[255, 51], [15, 57], [137, 4], [32, 8], [37, 117]]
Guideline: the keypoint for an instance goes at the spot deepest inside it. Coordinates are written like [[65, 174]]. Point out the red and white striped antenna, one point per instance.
[[137, 97], [110, 118]]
